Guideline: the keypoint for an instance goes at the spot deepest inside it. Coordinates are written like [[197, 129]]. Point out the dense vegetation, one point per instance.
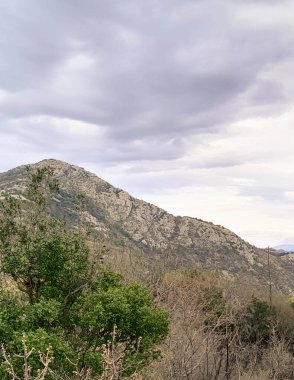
[[63, 316]]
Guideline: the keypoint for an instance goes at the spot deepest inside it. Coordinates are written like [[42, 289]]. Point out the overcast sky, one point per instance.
[[185, 104]]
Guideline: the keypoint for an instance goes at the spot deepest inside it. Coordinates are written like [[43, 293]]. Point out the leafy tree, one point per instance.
[[257, 322], [65, 304], [138, 325], [39, 252]]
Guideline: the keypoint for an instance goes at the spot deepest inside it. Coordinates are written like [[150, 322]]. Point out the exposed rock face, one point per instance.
[[130, 221]]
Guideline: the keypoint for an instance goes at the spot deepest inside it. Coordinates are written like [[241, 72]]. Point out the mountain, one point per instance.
[[285, 248], [129, 222]]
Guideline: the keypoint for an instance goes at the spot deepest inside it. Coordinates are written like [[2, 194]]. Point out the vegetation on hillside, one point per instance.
[[220, 328], [62, 316]]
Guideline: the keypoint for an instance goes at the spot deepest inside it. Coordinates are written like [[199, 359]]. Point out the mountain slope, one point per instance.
[[140, 225]]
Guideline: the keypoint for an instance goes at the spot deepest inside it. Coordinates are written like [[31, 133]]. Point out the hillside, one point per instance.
[[127, 221]]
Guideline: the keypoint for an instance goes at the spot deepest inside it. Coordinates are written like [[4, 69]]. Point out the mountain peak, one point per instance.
[[54, 163], [63, 168]]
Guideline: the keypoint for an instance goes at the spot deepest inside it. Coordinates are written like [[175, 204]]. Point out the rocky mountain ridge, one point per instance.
[[125, 220]]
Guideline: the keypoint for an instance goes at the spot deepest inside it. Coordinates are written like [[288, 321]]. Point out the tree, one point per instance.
[[68, 312], [39, 252]]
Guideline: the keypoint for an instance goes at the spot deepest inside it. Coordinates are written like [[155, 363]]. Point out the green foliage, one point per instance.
[[39, 341], [215, 302], [42, 183], [214, 305], [31, 251], [60, 304], [11, 316], [257, 322], [127, 307]]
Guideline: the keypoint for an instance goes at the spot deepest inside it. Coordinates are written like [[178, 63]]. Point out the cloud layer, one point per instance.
[[163, 98]]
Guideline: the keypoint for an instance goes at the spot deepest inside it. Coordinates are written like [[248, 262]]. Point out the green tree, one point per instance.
[[257, 321], [65, 305], [127, 308], [39, 252]]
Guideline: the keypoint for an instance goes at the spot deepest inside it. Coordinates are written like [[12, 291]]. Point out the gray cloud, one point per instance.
[[270, 193], [152, 73], [267, 92]]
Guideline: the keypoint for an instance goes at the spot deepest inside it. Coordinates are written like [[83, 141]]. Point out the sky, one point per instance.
[[187, 104]]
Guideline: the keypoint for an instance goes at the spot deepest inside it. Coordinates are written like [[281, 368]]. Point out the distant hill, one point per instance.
[[129, 222], [285, 247]]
